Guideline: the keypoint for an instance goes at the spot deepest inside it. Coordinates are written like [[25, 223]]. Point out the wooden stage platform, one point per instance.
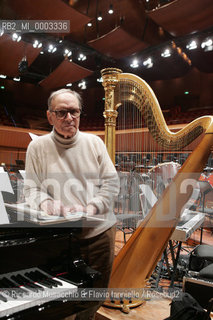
[[154, 309]]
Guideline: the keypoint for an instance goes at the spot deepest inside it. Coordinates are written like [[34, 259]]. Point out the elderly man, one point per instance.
[[70, 172]]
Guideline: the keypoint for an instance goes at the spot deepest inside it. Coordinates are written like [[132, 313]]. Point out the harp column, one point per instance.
[[110, 80]]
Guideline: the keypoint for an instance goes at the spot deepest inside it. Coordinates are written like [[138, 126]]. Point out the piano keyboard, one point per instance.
[[28, 288]]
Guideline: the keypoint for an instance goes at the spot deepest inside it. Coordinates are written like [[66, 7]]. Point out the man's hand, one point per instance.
[[89, 209], [54, 207], [77, 208]]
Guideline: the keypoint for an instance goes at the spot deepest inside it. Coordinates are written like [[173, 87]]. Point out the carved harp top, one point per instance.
[[124, 87], [137, 259]]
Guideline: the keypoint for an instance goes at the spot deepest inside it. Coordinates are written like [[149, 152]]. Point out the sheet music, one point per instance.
[[24, 210], [5, 185], [26, 213]]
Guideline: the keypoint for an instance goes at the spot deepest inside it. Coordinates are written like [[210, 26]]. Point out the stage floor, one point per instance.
[[155, 309]]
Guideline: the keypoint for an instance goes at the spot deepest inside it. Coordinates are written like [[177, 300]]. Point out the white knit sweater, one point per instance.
[[76, 170]]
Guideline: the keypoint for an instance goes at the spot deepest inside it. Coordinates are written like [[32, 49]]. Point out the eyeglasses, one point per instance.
[[62, 114]]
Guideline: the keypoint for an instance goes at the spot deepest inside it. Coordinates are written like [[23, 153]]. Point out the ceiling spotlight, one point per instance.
[[16, 79], [67, 53], [166, 53], [37, 44], [134, 64], [110, 11], [16, 37], [148, 63], [51, 48], [82, 85], [2, 76], [99, 17], [207, 45], [89, 24], [81, 57], [192, 45], [69, 85], [41, 52]]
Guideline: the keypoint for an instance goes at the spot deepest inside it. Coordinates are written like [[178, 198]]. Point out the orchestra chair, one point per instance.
[[205, 188], [127, 207], [127, 223], [194, 204], [210, 162], [210, 177], [194, 201], [206, 193], [200, 258]]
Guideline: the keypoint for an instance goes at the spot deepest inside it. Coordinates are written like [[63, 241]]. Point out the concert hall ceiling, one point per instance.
[[162, 41]]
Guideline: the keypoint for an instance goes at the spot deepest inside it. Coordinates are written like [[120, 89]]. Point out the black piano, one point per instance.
[[40, 272]]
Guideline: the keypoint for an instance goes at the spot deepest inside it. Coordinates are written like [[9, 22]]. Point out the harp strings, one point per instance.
[[134, 143], [137, 152]]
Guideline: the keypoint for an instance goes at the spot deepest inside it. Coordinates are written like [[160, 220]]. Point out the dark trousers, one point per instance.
[[98, 253]]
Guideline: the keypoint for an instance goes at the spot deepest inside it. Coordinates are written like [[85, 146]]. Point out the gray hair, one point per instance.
[[55, 93]]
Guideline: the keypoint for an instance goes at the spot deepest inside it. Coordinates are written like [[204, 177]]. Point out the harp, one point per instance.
[[136, 261]]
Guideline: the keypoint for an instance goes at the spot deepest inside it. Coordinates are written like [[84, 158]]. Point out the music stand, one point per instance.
[[147, 198], [205, 188]]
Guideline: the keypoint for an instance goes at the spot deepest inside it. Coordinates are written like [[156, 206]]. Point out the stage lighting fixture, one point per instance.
[[110, 11]]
